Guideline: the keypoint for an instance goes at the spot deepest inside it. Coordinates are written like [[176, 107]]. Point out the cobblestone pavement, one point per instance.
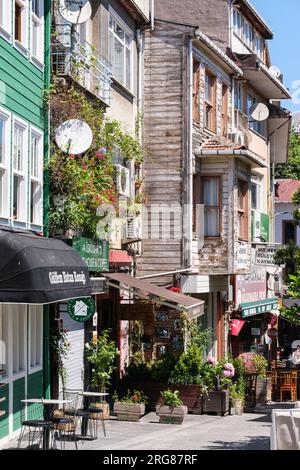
[[246, 432]]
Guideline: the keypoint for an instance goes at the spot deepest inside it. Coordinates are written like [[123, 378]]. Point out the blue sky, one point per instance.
[[283, 18]]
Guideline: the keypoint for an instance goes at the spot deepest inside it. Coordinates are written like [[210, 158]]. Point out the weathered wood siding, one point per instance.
[[165, 95]]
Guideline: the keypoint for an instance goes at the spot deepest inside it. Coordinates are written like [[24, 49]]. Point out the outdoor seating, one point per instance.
[[288, 384], [77, 410], [96, 411], [285, 430], [273, 375], [34, 427], [65, 425]]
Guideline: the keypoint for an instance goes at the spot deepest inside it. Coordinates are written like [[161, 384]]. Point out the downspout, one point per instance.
[[152, 14], [190, 160]]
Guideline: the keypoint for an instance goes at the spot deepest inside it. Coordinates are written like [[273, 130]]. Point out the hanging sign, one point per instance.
[[265, 255], [94, 252], [81, 310], [236, 326]]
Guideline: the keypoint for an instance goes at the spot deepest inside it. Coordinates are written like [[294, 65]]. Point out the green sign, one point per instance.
[[260, 226], [251, 309], [81, 310], [94, 252]]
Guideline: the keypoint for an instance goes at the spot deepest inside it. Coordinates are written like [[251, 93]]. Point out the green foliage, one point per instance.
[[133, 397], [290, 256], [171, 399], [293, 313], [102, 354], [237, 391], [187, 370], [291, 169], [61, 347], [261, 365], [156, 371]]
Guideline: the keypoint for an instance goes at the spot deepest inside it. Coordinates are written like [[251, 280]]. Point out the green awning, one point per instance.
[[251, 309]]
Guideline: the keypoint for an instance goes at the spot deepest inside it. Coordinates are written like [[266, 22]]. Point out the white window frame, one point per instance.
[[5, 164], [129, 32], [37, 179], [257, 181], [6, 25], [21, 174], [22, 46], [38, 57], [35, 338]]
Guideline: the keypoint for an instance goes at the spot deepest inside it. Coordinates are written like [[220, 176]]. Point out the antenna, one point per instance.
[[74, 136], [259, 112], [75, 11]]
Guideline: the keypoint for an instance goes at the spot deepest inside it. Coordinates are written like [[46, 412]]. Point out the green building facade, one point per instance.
[[24, 75]]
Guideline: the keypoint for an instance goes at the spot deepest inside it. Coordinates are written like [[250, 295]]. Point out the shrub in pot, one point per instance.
[[131, 407], [216, 379], [171, 410], [237, 399], [101, 354]]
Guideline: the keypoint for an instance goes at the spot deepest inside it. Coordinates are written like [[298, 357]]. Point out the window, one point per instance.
[[18, 343], [5, 19], [37, 30], [4, 162], [243, 209], [4, 339], [256, 198], [21, 24], [259, 46], [289, 231], [120, 51], [238, 96], [196, 85], [210, 101], [224, 113], [35, 323], [20, 153], [36, 178], [248, 34], [212, 206]]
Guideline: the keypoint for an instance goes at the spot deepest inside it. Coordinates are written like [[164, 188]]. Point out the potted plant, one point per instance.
[[171, 410], [131, 407], [216, 380], [102, 354], [237, 399]]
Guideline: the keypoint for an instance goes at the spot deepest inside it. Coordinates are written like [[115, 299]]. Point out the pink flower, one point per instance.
[[100, 155], [72, 156], [212, 360], [84, 167], [227, 373]]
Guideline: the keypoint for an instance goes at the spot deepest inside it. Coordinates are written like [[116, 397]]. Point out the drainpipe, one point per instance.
[[152, 14], [139, 44], [190, 160]]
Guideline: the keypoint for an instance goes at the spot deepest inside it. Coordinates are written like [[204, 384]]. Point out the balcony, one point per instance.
[[74, 58]]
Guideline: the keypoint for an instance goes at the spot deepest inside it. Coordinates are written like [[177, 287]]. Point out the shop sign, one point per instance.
[[242, 260], [264, 255], [260, 226], [251, 287], [81, 310], [255, 308], [94, 252]]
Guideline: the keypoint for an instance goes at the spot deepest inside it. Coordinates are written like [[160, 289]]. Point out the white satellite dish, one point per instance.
[[275, 71], [75, 11], [259, 112], [74, 136]]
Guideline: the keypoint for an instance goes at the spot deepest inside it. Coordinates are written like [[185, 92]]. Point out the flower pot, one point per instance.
[[129, 412], [216, 402], [263, 390], [105, 409], [171, 415], [237, 406]]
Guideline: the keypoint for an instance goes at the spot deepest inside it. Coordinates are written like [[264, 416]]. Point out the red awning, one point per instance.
[[120, 258]]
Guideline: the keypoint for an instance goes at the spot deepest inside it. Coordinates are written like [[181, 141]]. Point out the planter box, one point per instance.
[[216, 402], [104, 406], [189, 394], [168, 415], [127, 412], [263, 391], [237, 407]]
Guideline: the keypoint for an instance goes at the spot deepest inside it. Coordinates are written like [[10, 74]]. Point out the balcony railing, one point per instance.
[[75, 58]]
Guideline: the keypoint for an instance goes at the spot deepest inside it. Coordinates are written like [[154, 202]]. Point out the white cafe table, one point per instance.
[[93, 394], [48, 404]]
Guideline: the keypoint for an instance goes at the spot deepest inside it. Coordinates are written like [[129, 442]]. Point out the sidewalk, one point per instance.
[[246, 432]]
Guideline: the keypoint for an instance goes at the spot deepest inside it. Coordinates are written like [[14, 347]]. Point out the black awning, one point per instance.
[[38, 270]]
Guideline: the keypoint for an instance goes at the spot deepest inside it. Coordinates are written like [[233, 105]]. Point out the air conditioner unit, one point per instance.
[[134, 231], [239, 138], [123, 180]]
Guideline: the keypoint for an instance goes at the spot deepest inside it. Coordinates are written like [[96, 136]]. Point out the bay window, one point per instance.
[[36, 177], [5, 18], [210, 101], [243, 209], [212, 205], [120, 50], [37, 30], [20, 152]]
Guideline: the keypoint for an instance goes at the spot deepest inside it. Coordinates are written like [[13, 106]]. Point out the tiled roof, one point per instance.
[[286, 189], [220, 143]]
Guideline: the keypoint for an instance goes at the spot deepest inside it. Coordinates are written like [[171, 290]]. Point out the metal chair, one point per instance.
[[64, 425], [38, 429], [288, 383], [96, 411], [77, 410]]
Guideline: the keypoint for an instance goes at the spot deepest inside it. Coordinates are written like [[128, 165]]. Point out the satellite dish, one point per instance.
[[75, 11], [74, 136], [275, 71], [259, 112]]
